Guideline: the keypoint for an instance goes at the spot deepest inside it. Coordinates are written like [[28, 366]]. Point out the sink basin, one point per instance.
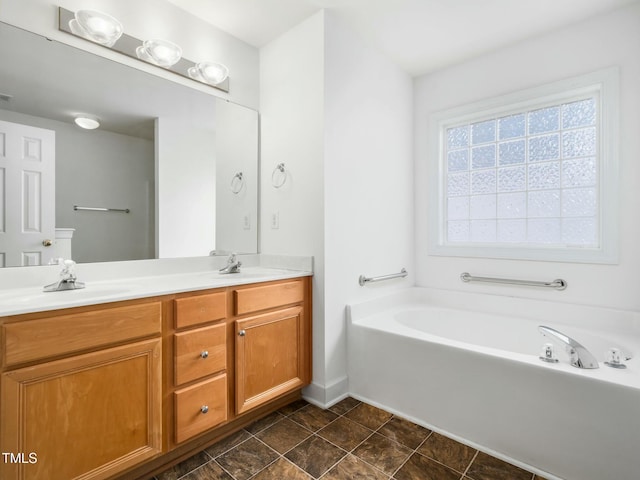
[[35, 296]]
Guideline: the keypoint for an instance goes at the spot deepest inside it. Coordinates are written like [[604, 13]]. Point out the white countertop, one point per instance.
[[29, 299]]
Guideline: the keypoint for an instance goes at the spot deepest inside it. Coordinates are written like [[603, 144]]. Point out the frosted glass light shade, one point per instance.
[[96, 26], [159, 52], [87, 122], [209, 72]]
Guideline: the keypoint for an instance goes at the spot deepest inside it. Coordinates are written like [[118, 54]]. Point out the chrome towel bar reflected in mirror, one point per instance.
[[102, 209]]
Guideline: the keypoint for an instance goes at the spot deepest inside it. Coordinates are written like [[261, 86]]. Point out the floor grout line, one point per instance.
[[392, 435]]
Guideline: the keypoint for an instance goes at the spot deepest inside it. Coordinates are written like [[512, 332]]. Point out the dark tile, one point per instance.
[[448, 452], [293, 407], [369, 416], [283, 435], [209, 471], [313, 418], [383, 453], [264, 422], [345, 433], [538, 477], [423, 468], [343, 406], [227, 443], [352, 468], [281, 469], [404, 432], [247, 459], [486, 467], [185, 467], [315, 455]]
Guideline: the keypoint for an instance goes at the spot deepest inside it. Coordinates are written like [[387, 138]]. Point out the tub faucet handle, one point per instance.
[[614, 358], [548, 354]]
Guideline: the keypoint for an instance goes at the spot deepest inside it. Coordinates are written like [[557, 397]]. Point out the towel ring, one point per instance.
[[274, 176], [237, 183]]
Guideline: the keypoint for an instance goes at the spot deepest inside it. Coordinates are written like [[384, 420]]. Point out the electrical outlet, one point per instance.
[[247, 222], [275, 220]]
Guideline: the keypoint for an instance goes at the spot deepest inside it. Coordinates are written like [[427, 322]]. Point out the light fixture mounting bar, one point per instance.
[[127, 45]]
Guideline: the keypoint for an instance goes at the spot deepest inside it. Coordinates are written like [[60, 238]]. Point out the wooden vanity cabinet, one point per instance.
[[127, 389], [200, 363], [272, 342], [83, 406]]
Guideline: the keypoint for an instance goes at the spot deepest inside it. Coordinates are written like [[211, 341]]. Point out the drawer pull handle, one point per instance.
[[204, 354], [204, 408], [242, 333]]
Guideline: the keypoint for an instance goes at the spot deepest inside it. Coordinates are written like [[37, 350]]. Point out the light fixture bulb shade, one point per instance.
[[96, 26], [159, 52], [209, 72], [87, 122]]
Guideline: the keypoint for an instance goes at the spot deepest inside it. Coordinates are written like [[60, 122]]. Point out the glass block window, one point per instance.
[[534, 174], [526, 178]]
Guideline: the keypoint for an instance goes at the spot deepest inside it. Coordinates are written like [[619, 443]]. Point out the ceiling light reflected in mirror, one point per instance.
[[88, 122]]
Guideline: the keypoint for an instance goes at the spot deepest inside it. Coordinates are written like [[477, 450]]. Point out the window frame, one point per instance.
[[606, 84]]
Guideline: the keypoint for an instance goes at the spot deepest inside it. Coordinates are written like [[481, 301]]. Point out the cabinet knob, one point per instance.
[[204, 354], [204, 408], [242, 333]]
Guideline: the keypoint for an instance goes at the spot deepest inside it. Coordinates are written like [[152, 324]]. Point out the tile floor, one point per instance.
[[351, 440]]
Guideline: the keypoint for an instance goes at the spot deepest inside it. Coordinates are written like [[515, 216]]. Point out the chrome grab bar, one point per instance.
[[558, 284], [101, 209], [363, 280]]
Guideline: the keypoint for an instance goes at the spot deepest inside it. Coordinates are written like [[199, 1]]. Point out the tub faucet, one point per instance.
[[579, 356], [68, 280], [233, 265]]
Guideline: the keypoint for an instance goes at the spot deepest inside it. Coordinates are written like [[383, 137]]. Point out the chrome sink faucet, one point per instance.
[[68, 280], [579, 356], [233, 265]]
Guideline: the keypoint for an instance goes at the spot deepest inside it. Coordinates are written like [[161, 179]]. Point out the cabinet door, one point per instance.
[[89, 416], [270, 356]]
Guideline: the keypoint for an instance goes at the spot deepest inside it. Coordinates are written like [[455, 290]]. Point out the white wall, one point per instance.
[[236, 152], [368, 171], [598, 43], [291, 129], [101, 169], [338, 114], [185, 166], [199, 40]]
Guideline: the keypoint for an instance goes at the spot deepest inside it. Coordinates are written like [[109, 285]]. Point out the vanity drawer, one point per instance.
[[253, 299], [200, 352], [63, 334], [200, 407], [200, 309]]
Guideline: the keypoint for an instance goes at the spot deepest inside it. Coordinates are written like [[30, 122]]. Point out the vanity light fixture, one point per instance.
[[96, 26], [88, 122], [209, 72], [159, 52], [105, 30]]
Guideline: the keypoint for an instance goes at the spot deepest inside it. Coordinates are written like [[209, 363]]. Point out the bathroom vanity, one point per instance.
[[124, 389]]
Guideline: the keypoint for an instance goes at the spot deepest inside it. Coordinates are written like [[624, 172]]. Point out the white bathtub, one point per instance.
[[467, 365]]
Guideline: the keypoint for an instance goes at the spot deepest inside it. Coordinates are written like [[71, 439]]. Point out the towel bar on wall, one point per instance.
[[363, 280], [558, 283], [102, 209]]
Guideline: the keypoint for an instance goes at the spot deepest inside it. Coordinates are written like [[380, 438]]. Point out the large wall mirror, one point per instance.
[[170, 172]]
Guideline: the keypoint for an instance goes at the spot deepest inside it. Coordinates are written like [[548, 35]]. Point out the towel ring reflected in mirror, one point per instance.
[[237, 183], [279, 176]]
